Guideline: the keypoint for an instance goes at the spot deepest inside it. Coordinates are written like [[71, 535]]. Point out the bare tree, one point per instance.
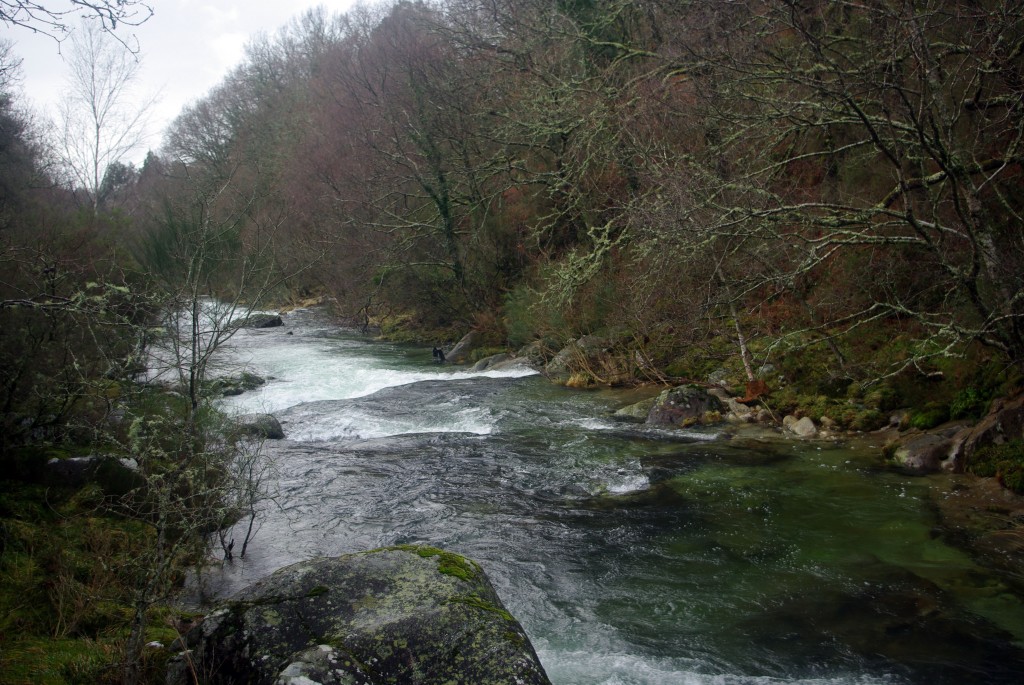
[[102, 120], [52, 18]]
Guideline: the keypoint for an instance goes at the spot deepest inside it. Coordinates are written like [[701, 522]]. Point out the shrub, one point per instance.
[[931, 416], [969, 403], [1005, 462]]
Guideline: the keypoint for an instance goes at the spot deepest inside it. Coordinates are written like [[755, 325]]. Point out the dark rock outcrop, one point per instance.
[[413, 615], [258, 426], [73, 471], [1003, 423], [949, 447]]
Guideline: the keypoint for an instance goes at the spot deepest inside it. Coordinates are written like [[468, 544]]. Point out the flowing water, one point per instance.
[[630, 556]]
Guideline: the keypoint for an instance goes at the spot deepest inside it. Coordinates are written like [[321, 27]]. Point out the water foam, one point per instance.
[[618, 668], [301, 371], [356, 425]]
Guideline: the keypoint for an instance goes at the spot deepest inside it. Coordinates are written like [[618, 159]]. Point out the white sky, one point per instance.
[[186, 48]]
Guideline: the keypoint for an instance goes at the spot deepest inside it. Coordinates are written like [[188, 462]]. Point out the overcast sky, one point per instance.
[[186, 48]]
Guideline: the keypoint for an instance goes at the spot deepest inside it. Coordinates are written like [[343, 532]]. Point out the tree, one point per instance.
[[52, 17], [101, 121], [881, 133], [20, 149]]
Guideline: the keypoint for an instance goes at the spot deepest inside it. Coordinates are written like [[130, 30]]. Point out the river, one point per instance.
[[630, 556]]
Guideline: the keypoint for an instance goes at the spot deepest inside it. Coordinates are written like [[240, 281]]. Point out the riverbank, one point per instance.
[[629, 552], [977, 511]]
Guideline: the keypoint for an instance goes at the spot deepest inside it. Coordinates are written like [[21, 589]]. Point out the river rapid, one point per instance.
[[630, 556]]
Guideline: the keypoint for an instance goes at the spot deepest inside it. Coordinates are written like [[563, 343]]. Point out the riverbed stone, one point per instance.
[[637, 412], [737, 411], [802, 427], [414, 615], [684, 406], [229, 386]]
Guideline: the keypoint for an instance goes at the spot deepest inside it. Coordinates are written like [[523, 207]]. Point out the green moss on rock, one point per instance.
[[400, 614]]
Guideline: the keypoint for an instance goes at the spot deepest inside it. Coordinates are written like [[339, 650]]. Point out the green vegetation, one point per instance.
[[448, 563], [1005, 462], [67, 571], [829, 223], [478, 602]]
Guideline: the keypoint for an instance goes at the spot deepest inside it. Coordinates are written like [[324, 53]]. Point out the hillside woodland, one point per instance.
[[822, 202]]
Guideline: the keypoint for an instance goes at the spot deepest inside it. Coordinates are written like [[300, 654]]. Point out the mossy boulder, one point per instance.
[[228, 386], [685, 406], [636, 412], [413, 615]]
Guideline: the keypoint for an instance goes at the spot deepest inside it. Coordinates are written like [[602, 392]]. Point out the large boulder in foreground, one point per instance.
[[411, 615]]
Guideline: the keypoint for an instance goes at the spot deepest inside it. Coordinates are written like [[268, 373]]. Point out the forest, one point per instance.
[[822, 200]]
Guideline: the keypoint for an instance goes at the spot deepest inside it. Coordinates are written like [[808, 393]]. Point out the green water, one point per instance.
[[796, 560], [631, 557]]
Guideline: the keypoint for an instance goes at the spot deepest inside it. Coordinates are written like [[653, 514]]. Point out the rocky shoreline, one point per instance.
[[978, 513]]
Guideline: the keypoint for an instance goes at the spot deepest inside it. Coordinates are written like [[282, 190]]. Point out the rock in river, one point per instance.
[[259, 426], [413, 615], [684, 406]]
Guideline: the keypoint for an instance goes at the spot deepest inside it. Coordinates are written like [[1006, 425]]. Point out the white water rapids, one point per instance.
[[631, 557]]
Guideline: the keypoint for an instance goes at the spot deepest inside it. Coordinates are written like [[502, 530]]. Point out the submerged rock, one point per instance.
[[412, 615]]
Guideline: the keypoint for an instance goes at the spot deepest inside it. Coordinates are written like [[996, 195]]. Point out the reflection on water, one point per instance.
[[630, 557]]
